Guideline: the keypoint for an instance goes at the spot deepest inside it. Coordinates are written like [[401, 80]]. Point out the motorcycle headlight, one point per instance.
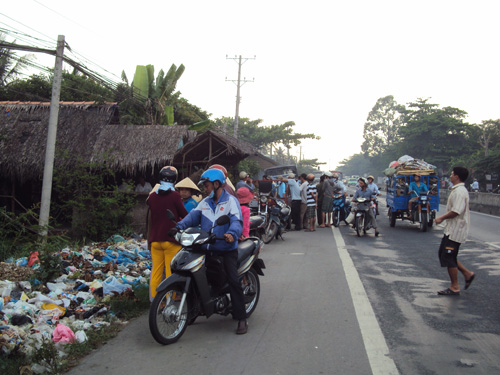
[[263, 199], [187, 239]]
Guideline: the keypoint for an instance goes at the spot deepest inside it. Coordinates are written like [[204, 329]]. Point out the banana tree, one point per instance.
[[156, 93]]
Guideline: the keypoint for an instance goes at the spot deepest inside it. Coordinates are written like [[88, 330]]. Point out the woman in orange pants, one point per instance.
[[163, 246]]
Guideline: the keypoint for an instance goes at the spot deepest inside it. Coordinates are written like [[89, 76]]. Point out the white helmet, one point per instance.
[[243, 175], [328, 174]]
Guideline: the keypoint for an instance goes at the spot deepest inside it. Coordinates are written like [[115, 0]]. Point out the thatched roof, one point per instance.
[[134, 148], [83, 130], [210, 146]]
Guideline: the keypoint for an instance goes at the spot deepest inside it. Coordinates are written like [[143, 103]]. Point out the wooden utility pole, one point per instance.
[[51, 139], [238, 83]]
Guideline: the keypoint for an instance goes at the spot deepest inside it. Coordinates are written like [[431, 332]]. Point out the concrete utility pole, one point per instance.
[[239, 83], [51, 138]]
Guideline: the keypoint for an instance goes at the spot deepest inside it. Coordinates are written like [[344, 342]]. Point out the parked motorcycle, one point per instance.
[[339, 209], [360, 214], [198, 284]]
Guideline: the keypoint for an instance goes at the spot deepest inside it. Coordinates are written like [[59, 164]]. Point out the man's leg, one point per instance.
[[453, 272]]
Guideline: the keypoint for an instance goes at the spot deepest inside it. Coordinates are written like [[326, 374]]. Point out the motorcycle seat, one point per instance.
[[256, 221], [245, 249]]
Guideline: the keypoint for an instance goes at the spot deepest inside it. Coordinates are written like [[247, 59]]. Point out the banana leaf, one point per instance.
[[141, 82], [198, 126], [169, 115]]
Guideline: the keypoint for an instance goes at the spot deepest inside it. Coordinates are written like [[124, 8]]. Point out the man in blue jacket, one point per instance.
[[219, 203]]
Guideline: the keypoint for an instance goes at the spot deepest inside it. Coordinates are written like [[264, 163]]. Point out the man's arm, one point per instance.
[[446, 216]]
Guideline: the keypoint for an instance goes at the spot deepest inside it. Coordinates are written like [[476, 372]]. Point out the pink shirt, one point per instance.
[[245, 213]]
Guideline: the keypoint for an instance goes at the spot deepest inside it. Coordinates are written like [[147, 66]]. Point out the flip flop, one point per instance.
[[307, 230], [448, 292], [468, 282]]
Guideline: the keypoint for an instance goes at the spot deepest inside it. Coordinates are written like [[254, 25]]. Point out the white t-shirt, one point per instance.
[[143, 189]]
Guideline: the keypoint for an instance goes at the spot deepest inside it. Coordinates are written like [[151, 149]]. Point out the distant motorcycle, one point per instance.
[[339, 209]]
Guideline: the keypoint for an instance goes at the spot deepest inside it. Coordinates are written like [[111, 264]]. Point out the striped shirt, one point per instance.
[[457, 228], [311, 195]]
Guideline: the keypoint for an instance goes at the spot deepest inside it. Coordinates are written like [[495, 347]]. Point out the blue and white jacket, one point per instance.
[[206, 214]]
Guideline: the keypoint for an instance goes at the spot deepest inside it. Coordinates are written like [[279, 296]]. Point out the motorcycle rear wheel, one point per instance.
[[270, 232], [164, 325], [359, 225], [251, 291], [336, 218]]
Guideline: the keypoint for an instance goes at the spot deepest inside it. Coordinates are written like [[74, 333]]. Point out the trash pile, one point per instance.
[[62, 310], [408, 165]]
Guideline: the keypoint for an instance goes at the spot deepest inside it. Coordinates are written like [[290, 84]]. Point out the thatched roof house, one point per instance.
[[84, 129]]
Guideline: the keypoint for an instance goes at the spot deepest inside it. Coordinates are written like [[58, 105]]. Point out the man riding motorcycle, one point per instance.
[[219, 203], [373, 187], [364, 192]]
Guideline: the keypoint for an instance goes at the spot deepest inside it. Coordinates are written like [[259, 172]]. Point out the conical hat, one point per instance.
[[188, 184], [228, 181]]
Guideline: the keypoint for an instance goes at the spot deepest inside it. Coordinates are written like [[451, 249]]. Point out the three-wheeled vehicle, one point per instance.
[[423, 210]]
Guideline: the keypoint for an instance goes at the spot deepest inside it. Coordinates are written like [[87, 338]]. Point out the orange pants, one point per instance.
[[161, 254]]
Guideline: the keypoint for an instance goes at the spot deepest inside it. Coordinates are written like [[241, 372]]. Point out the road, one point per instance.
[[333, 303]]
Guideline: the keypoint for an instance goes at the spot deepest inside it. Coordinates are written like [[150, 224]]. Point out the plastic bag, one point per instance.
[[63, 334], [111, 285], [404, 159]]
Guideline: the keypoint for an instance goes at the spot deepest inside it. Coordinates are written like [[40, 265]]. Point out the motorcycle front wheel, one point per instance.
[[270, 232], [251, 291], [423, 222], [164, 323], [359, 225]]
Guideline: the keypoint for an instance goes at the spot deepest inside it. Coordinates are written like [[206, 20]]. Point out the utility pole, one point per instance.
[[51, 138], [239, 83]]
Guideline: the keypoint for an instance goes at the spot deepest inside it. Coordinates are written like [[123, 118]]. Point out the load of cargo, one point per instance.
[[408, 165]]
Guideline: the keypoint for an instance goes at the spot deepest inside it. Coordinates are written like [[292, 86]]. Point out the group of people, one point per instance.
[[221, 199]]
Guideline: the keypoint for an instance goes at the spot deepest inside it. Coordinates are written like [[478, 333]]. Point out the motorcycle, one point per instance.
[[339, 209], [198, 284], [421, 213], [360, 214], [280, 214]]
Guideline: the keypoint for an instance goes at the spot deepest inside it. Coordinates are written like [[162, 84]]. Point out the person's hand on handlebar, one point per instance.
[[228, 237], [172, 232]]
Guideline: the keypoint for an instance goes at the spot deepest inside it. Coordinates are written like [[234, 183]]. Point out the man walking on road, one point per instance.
[[455, 233]]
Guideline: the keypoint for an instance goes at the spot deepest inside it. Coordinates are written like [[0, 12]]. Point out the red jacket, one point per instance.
[[160, 223]]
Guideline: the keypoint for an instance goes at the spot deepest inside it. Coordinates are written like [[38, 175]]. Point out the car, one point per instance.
[[352, 182]]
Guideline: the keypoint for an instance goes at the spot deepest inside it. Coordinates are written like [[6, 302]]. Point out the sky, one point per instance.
[[321, 64]]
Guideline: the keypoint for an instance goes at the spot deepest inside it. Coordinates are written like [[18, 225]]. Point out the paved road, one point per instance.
[[333, 303]]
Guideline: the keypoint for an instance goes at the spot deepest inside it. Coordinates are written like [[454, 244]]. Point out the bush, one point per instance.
[[88, 198], [19, 235]]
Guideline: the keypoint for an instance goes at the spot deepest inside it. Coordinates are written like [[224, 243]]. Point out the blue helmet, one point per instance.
[[213, 175]]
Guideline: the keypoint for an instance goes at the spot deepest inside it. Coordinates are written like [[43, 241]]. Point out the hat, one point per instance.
[[291, 175], [328, 174], [279, 177], [243, 175], [371, 177], [244, 195], [187, 183]]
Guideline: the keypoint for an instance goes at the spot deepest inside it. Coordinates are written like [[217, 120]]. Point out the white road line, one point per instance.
[[492, 244], [373, 338]]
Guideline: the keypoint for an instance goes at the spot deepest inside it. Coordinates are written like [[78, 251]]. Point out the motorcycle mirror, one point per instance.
[[223, 220], [171, 215]]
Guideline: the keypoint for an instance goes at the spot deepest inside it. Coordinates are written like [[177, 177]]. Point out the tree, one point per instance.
[[11, 64], [357, 164], [78, 87], [489, 134], [265, 137], [437, 135], [381, 126], [308, 165]]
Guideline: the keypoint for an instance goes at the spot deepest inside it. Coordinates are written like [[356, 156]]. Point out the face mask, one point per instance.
[[166, 186], [211, 195]]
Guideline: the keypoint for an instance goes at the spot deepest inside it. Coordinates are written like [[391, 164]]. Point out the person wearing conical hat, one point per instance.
[[187, 188]]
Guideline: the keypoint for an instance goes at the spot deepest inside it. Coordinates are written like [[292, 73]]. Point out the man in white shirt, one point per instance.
[[457, 218], [143, 186], [303, 196]]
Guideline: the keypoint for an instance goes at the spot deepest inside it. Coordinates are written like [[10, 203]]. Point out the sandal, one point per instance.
[[468, 282], [307, 230], [448, 292]]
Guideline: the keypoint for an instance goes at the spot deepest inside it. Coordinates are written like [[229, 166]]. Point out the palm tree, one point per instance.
[[11, 64]]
